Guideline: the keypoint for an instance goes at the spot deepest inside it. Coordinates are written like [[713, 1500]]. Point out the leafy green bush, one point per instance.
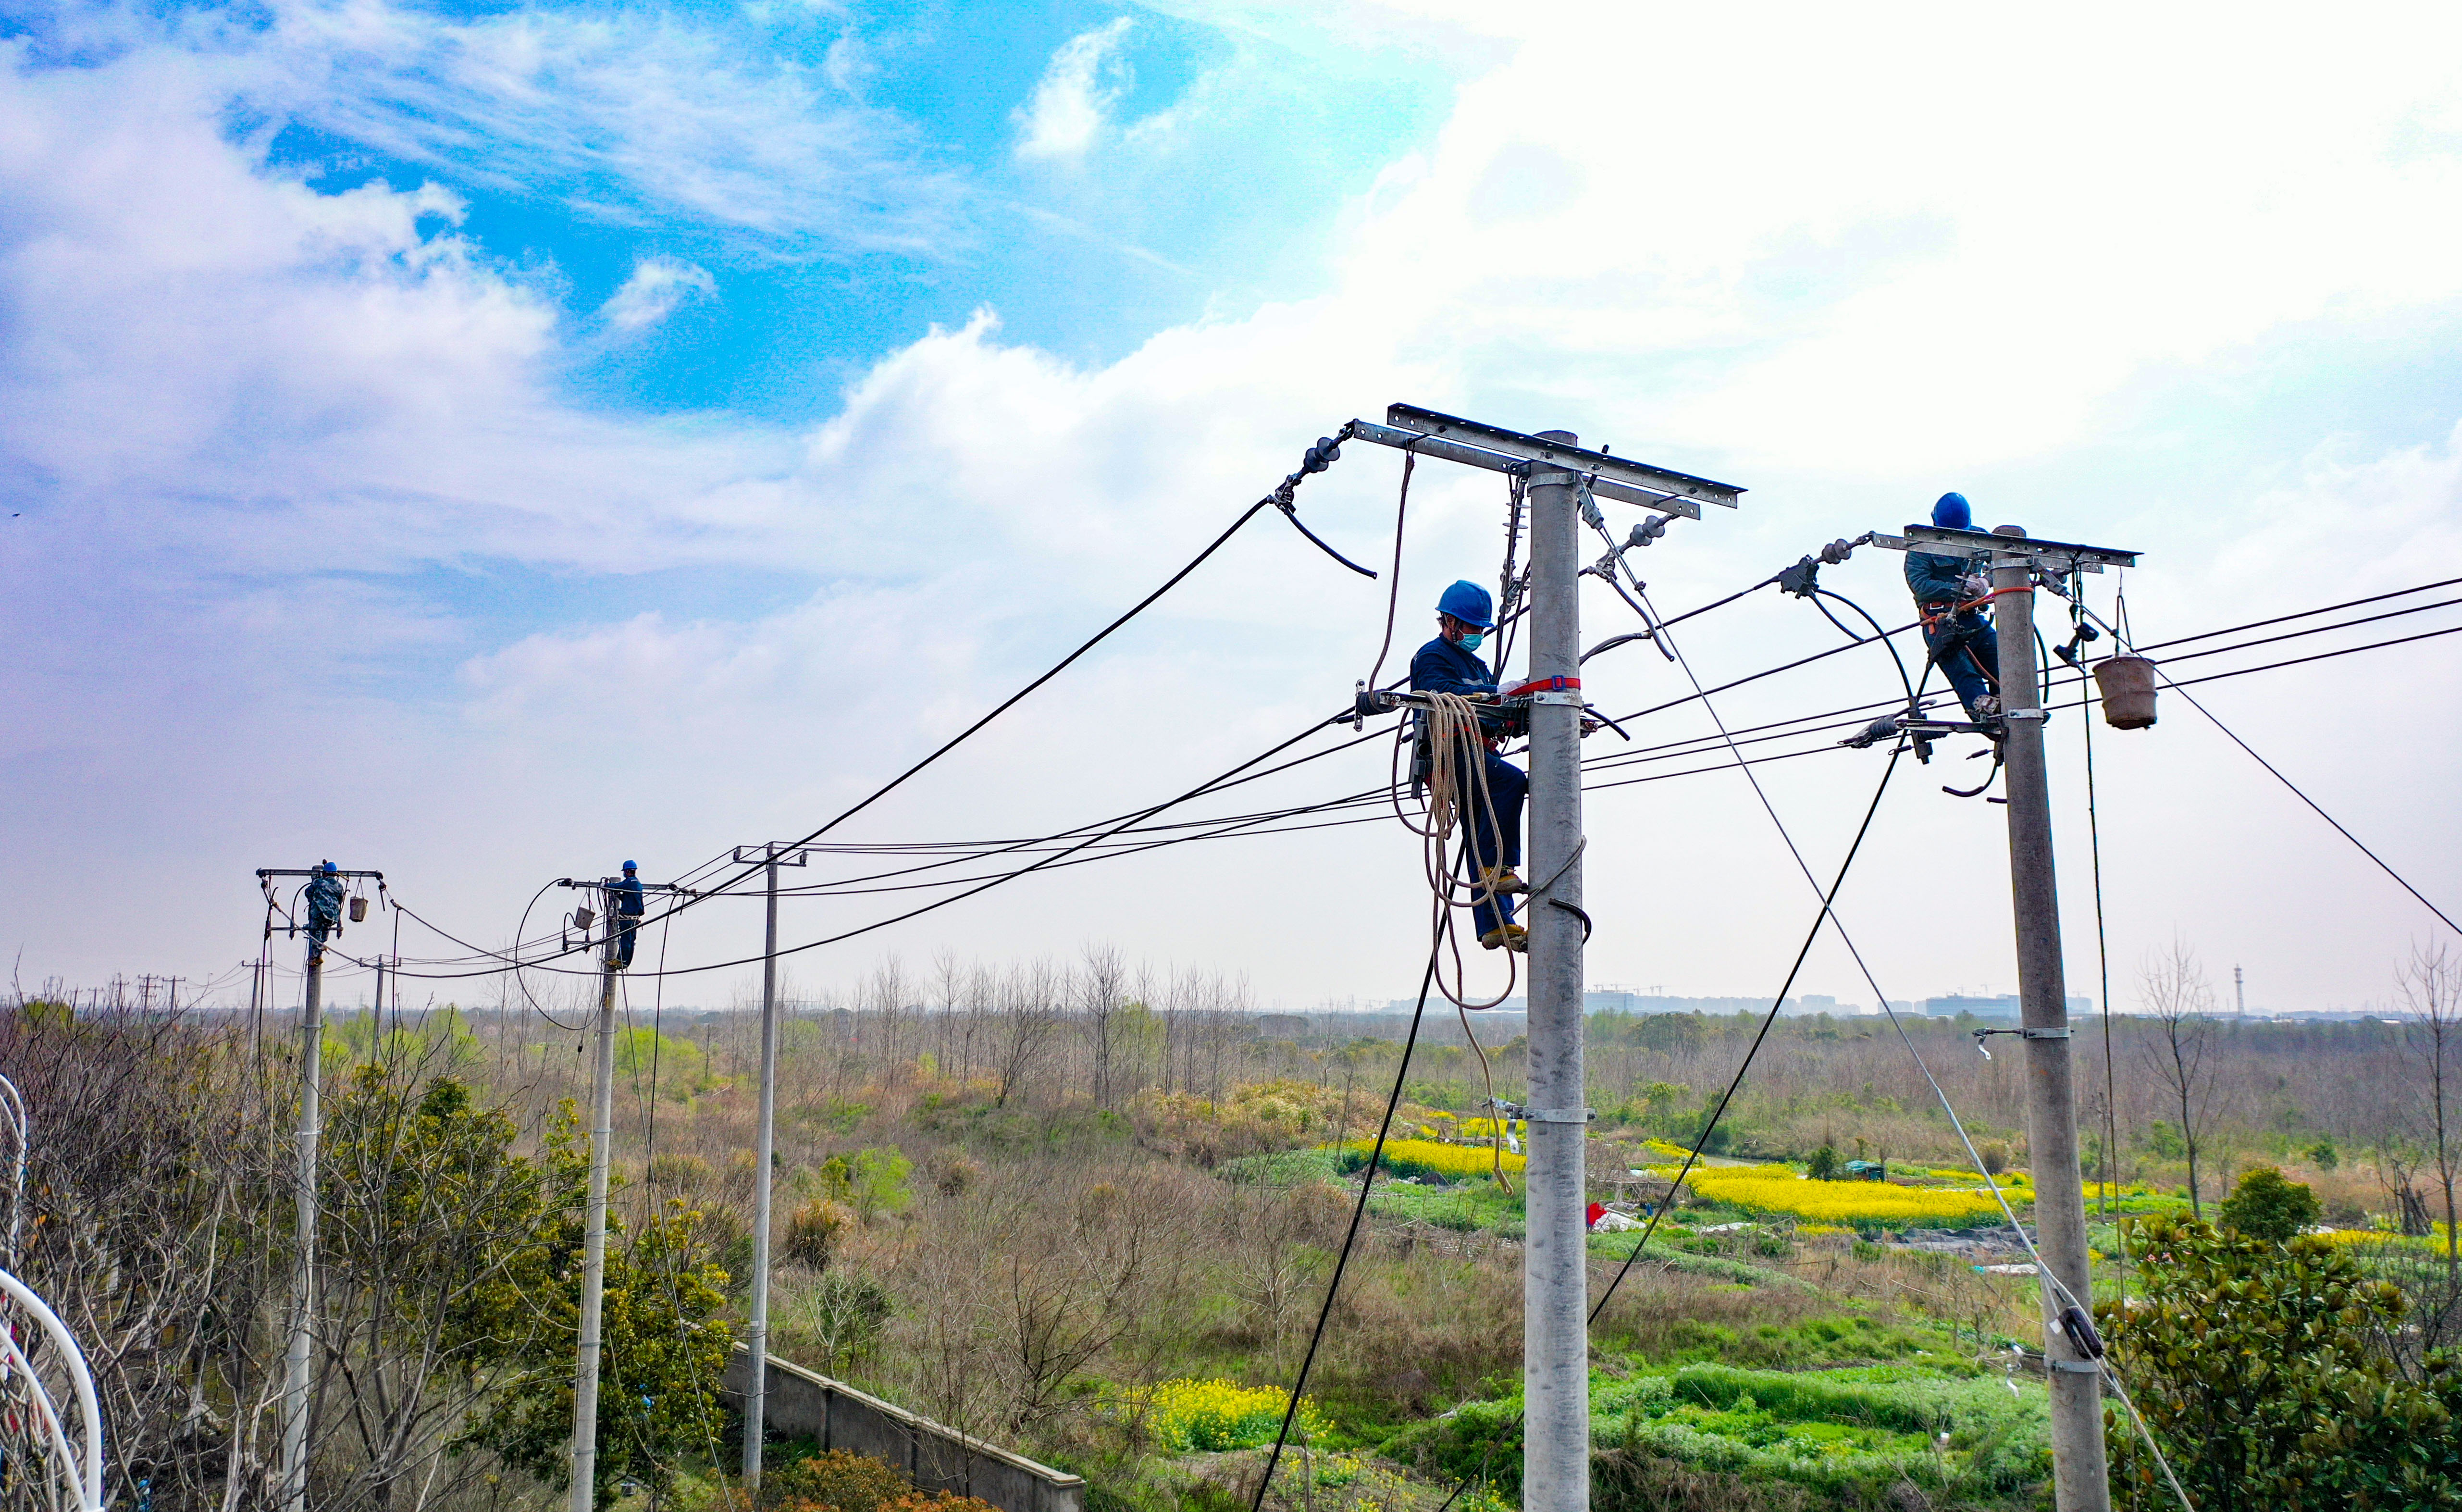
[[2266, 1206], [2255, 1365], [871, 1181]]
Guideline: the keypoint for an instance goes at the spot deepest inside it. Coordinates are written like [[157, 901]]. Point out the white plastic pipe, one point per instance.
[[89, 1473], [64, 1458]]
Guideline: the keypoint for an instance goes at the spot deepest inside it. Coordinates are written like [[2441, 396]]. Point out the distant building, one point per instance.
[[2004, 1007]]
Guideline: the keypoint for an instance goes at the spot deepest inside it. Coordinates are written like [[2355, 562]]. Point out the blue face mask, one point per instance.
[[1472, 640]]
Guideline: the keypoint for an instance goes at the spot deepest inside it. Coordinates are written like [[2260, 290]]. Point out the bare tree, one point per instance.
[[889, 994], [1101, 994], [948, 985], [2178, 997], [2430, 984], [1030, 1010]]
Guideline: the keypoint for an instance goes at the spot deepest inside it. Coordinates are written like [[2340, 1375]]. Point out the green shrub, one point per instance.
[[871, 1181], [2255, 1365], [2268, 1207]]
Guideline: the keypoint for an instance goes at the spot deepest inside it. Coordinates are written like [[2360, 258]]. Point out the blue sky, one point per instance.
[[481, 440], [1060, 163]]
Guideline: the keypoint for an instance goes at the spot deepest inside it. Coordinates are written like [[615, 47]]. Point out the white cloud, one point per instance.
[[1080, 86], [250, 423], [658, 286], [633, 115]]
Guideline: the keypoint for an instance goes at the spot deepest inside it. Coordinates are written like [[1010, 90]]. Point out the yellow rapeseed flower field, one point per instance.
[[1193, 1415], [1778, 1189], [1444, 1159]]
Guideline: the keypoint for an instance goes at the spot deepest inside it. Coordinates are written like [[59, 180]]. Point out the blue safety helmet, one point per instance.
[[1951, 513], [330, 869], [1469, 603], [628, 866]]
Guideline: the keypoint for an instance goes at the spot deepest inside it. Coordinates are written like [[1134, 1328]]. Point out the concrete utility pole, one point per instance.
[[2239, 993], [2080, 1478], [756, 1396], [1555, 1274], [593, 1241], [2079, 1473], [298, 1357], [1555, 1277]]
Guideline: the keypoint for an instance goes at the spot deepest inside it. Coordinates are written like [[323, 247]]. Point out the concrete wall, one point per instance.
[[803, 1405]]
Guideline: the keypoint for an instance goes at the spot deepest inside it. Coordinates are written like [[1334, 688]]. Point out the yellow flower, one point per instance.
[[1778, 1189], [1444, 1159], [1193, 1415]]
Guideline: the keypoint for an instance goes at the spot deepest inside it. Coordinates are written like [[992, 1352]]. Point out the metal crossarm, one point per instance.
[[1452, 439], [1968, 542]]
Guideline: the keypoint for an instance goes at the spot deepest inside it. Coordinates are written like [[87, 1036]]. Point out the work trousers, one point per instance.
[[1967, 650], [1498, 844]]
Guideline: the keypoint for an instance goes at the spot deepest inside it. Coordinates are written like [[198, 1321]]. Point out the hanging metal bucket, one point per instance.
[[358, 911], [2127, 687]]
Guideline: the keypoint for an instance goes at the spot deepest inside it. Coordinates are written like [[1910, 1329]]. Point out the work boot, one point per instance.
[[1986, 707], [1502, 882], [1509, 937]]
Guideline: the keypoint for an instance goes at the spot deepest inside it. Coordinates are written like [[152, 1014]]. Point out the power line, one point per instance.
[[2181, 688], [1351, 1236], [1824, 915], [1265, 822]]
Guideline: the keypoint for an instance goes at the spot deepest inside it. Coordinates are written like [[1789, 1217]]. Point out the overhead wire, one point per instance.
[[1115, 834], [1058, 667], [2181, 688]]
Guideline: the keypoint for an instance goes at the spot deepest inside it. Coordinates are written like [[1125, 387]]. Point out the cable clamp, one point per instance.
[[2043, 1034]]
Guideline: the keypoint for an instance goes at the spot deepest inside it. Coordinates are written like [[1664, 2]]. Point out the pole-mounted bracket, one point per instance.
[[2037, 715], [1980, 1035], [2075, 1367], [1545, 1115]]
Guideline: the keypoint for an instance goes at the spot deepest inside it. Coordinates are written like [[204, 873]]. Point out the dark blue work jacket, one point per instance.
[[1443, 667], [1934, 579]]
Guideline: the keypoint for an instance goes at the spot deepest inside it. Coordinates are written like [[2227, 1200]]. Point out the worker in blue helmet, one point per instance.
[[1450, 663], [1948, 587], [324, 905], [624, 902]]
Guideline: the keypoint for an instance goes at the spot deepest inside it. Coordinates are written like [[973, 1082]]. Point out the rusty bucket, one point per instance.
[[2127, 687], [358, 911]]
